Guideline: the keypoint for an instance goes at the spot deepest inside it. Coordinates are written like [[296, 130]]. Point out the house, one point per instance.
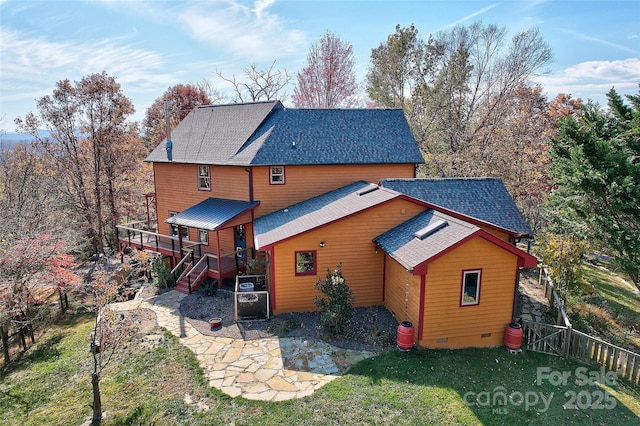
[[308, 189]]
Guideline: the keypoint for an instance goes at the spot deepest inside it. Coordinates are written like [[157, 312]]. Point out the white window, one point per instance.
[[276, 175], [470, 288], [174, 228], [203, 236], [204, 178]]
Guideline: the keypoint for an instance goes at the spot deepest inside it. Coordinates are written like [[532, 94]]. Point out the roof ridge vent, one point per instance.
[[368, 190], [430, 229]]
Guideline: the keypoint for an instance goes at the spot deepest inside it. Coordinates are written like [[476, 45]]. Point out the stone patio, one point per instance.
[[270, 369]]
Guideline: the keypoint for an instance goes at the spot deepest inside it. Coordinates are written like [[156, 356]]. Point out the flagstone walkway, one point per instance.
[[270, 369]]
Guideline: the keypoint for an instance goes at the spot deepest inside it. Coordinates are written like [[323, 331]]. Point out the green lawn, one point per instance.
[[50, 385], [612, 312]]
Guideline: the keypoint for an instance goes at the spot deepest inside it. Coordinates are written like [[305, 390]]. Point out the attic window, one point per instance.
[[367, 190], [430, 229]]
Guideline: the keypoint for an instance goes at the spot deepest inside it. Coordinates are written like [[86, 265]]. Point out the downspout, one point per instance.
[[516, 292], [249, 170]]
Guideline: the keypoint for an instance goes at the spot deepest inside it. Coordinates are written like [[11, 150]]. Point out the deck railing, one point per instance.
[[149, 240]]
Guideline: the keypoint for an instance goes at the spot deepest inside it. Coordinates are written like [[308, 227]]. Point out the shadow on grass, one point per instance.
[[502, 388], [44, 349]]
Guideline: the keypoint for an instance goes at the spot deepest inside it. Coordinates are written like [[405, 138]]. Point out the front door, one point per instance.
[[241, 242]]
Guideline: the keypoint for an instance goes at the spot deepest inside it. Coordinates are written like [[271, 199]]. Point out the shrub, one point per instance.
[[165, 278], [336, 308]]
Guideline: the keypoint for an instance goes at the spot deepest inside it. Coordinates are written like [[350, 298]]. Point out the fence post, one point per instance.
[[568, 339]]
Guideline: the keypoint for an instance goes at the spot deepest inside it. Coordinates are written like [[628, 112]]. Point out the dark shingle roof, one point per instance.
[[318, 211], [268, 134], [211, 213], [410, 251], [213, 134], [485, 199], [332, 136]]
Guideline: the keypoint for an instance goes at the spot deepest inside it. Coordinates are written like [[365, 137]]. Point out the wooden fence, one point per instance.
[[562, 340], [14, 340]]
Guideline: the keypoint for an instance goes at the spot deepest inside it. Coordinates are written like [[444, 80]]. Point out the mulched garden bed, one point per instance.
[[371, 328]]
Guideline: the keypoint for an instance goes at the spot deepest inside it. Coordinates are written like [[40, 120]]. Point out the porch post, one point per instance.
[[179, 242], [219, 259]]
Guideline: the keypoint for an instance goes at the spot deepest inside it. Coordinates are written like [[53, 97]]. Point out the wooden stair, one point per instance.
[[183, 284]]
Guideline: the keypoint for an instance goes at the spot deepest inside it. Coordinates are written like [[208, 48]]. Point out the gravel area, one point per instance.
[[372, 328]]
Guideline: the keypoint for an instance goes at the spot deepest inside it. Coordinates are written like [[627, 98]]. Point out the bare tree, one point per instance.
[[213, 93], [259, 85], [329, 79], [111, 327], [28, 195], [94, 151]]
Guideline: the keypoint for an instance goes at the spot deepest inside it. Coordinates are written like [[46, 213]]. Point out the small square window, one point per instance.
[[470, 288], [305, 263], [204, 178], [276, 175], [203, 236]]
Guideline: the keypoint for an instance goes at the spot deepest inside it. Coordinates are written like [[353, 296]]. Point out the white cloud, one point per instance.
[[592, 79], [586, 37], [248, 34], [473, 15], [37, 60]]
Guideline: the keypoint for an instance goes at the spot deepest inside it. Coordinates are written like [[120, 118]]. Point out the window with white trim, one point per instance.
[[203, 236], [470, 288], [276, 175], [173, 229], [204, 178]]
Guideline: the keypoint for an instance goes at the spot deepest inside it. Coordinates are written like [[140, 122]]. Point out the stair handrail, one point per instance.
[[179, 264], [203, 259]]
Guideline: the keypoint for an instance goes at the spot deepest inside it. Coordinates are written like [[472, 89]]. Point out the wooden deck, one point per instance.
[[226, 266], [142, 239]]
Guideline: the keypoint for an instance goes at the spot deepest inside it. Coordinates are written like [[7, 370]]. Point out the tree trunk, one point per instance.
[[31, 333], [22, 339], [61, 302], [5, 343], [97, 402]]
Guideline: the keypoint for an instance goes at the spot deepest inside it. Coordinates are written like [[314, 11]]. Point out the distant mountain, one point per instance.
[[10, 139]]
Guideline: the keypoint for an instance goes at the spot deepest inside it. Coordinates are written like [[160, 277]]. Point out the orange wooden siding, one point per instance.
[[348, 241], [304, 182], [449, 325], [498, 234], [177, 188], [398, 283]]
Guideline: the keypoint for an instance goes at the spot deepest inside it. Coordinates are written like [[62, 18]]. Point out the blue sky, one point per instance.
[[150, 45]]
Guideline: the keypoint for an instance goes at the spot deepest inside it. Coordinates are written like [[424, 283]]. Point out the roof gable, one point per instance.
[[318, 211], [266, 133], [402, 244], [213, 134], [423, 238], [484, 199]]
